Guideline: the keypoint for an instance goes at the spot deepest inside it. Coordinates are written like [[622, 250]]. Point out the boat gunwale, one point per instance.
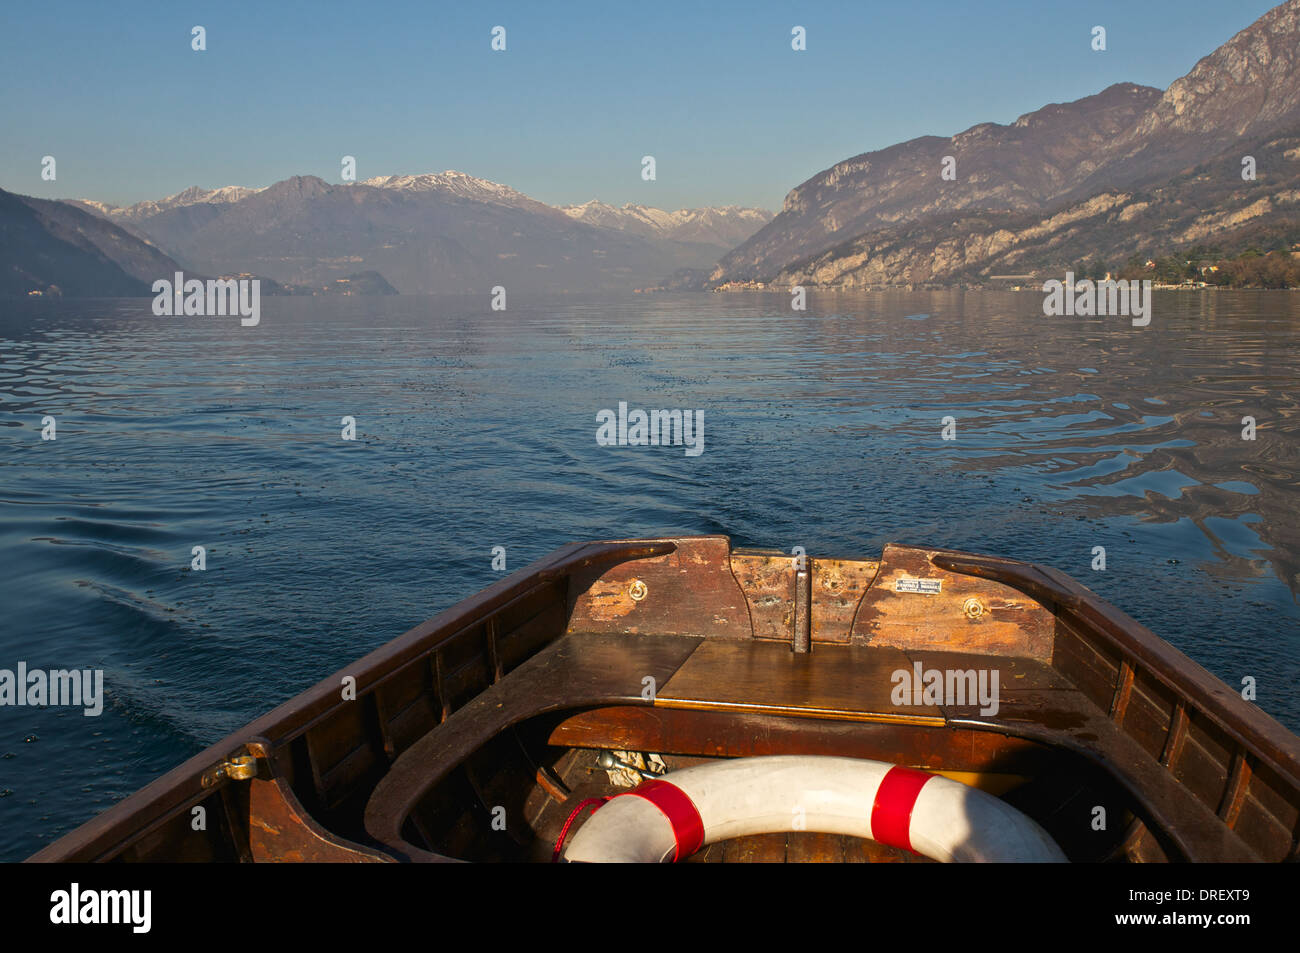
[[1192, 685], [1195, 690], [181, 787]]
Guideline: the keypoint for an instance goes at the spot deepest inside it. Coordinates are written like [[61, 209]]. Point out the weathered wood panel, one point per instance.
[[832, 681], [689, 591], [280, 831], [735, 734], [518, 640], [1092, 667], [913, 603], [767, 580], [838, 586], [1204, 761], [1149, 713]]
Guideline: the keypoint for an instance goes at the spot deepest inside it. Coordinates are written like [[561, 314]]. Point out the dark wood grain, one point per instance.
[[832, 681]]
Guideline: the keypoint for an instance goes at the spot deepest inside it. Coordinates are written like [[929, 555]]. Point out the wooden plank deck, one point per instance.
[[833, 681]]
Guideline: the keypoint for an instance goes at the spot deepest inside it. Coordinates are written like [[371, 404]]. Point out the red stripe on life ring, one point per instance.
[[891, 814], [688, 827]]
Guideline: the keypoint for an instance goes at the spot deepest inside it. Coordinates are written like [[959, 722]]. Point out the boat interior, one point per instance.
[[475, 735]]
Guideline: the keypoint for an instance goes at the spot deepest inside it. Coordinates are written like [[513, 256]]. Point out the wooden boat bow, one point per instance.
[[465, 737]]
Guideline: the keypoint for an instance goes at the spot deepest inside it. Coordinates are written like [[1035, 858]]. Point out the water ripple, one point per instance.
[[476, 428]]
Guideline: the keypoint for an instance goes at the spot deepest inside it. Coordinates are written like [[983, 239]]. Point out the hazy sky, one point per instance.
[[713, 91]]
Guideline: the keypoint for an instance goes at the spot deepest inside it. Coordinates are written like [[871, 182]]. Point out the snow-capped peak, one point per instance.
[[194, 195], [455, 183], [686, 223]]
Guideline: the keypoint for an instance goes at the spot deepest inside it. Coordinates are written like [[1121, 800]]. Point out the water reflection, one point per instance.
[[477, 428]]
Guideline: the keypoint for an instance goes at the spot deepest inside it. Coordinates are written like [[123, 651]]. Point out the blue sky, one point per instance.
[[583, 91]]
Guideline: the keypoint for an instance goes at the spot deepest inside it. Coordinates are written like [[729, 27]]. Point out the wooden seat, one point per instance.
[[1037, 703], [842, 682], [572, 672], [1034, 702]]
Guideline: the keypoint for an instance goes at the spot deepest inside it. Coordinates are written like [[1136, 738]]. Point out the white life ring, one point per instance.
[[945, 820]]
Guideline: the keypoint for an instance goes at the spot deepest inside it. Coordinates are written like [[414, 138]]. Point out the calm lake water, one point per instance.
[[476, 429]]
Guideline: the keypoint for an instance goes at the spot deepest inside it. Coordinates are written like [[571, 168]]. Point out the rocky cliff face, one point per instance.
[[1244, 89], [1017, 167], [1039, 189], [1208, 204]]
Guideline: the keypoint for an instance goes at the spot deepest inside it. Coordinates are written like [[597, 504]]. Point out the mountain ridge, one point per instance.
[[726, 225], [48, 246], [629, 216], [1128, 169], [429, 232], [1058, 160], [1202, 207]]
